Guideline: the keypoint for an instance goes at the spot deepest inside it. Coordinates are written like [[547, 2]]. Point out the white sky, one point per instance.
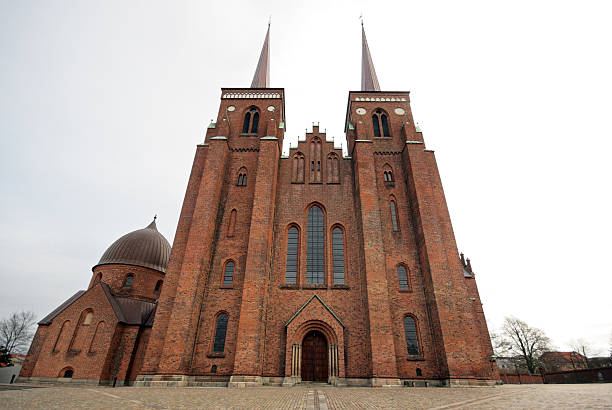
[[103, 103]]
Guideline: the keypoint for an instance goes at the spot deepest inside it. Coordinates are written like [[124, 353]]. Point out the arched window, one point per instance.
[[63, 331], [315, 250], [251, 121], [402, 276], [394, 215], [128, 281], [410, 330], [67, 372], [333, 172], [88, 317], [315, 160], [232, 223], [380, 121], [97, 334], [220, 331], [77, 338], [246, 123], [158, 287], [298, 167], [419, 372], [338, 255], [293, 237], [228, 276], [376, 125], [213, 369], [242, 177], [388, 176]]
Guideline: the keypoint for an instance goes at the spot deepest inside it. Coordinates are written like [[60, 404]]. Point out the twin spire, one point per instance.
[[369, 81]]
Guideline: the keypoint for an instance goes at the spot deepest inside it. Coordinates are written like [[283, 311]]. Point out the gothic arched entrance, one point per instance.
[[314, 357]]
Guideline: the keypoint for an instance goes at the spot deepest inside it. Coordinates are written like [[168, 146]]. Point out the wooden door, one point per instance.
[[314, 357]]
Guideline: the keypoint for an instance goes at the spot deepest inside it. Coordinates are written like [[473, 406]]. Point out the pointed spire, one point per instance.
[[369, 81], [153, 225], [261, 79]]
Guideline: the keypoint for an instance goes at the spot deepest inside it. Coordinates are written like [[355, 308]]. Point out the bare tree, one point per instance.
[[583, 348], [528, 342], [16, 332]]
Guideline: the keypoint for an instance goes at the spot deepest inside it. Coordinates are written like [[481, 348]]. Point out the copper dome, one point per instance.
[[145, 247]]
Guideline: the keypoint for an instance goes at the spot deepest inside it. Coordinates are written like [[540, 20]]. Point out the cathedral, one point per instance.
[[309, 267]]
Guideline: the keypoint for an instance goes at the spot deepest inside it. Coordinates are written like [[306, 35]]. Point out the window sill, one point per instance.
[[290, 286], [314, 286], [249, 134], [389, 184], [389, 138], [339, 286], [215, 355], [226, 287], [415, 359], [295, 182], [405, 291], [316, 183], [333, 183]]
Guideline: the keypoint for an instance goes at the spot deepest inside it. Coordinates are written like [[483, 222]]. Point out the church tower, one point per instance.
[[316, 266]]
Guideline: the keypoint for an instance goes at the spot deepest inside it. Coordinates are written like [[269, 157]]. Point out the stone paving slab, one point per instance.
[[568, 396]]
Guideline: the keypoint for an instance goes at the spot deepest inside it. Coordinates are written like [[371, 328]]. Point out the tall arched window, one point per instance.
[[228, 276], [394, 215], [298, 167], [333, 172], [158, 287], [242, 177], [231, 226], [338, 255], [402, 276], [410, 330], [220, 331], [77, 337], [380, 121], [315, 250], [96, 336], [61, 335], [293, 237], [251, 121], [315, 160], [129, 279]]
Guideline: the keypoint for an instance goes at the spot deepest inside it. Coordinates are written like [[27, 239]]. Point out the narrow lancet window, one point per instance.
[[376, 125], [338, 255], [228, 276], [394, 216], [315, 252], [385, 125], [245, 124], [292, 256], [410, 330], [402, 276], [255, 123], [220, 331]]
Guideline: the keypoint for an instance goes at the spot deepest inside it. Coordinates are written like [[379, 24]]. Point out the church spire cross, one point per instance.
[[369, 81], [261, 79]]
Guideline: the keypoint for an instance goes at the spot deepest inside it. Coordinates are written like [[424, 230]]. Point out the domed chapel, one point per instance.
[[314, 266]]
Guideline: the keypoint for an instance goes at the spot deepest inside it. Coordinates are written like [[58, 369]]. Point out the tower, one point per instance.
[[316, 266], [313, 266]]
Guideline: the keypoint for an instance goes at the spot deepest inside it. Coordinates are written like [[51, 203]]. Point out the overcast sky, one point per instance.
[[102, 104]]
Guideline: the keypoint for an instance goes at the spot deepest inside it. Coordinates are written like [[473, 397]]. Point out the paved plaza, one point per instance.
[[565, 396]]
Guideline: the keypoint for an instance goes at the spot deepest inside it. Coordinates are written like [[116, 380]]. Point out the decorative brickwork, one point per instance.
[[395, 258]]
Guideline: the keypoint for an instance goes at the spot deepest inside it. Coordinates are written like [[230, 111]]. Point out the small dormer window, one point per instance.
[[128, 281]]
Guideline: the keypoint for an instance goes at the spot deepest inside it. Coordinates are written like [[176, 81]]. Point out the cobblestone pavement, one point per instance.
[[558, 396]]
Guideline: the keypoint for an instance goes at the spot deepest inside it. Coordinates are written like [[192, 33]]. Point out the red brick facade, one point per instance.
[[363, 317], [371, 267]]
